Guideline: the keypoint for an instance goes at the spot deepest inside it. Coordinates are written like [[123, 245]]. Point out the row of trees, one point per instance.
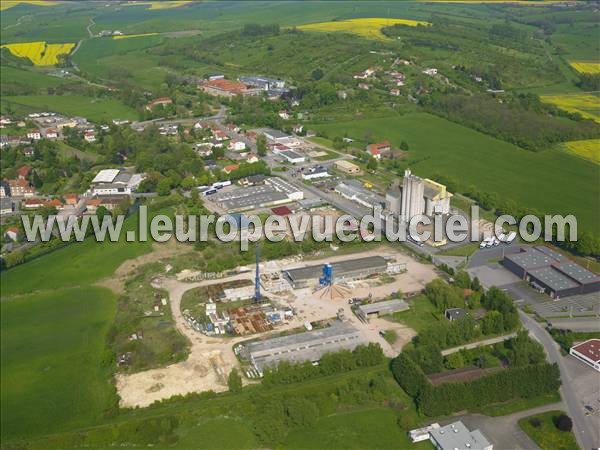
[[521, 382], [330, 363], [533, 128]]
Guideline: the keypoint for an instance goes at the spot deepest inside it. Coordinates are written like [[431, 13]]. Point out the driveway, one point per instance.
[[504, 431]]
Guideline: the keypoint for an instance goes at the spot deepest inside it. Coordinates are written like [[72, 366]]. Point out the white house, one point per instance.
[[35, 135], [89, 136], [237, 146], [431, 72], [251, 158], [284, 115], [51, 133]]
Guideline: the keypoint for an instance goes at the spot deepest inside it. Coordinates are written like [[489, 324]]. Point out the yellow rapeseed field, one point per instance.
[[369, 27], [588, 149], [585, 67], [127, 36], [40, 53], [161, 5], [6, 4], [585, 104]]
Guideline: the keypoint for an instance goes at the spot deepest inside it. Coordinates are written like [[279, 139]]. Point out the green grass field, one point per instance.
[[547, 436], [31, 78], [420, 315], [93, 109], [53, 325], [52, 348], [375, 428], [564, 184]]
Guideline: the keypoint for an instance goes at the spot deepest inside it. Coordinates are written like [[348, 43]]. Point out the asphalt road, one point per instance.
[[586, 428]]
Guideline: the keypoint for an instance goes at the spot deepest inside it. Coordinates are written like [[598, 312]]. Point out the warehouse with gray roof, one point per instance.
[[457, 436], [301, 347], [551, 272], [274, 192], [351, 269]]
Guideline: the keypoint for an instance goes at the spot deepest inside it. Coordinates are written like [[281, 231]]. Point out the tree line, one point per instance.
[[520, 382]]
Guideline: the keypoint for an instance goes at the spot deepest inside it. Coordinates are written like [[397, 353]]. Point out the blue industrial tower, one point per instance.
[[257, 278], [327, 277]]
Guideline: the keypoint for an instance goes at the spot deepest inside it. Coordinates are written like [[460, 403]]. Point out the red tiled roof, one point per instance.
[[281, 211], [23, 171], [226, 85], [590, 349], [230, 168]]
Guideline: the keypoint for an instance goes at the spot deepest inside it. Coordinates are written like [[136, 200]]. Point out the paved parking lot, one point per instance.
[[573, 306]]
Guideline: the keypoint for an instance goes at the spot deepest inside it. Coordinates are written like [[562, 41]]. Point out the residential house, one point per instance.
[[4, 121], [12, 233], [284, 114], [237, 146], [51, 133], [298, 129], [71, 199], [89, 136], [23, 172], [28, 152], [220, 135], [378, 149], [251, 158], [92, 205], [364, 86], [20, 188], [33, 203], [34, 134], [431, 71]]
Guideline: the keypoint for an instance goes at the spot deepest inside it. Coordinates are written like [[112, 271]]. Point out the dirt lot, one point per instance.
[[211, 358]]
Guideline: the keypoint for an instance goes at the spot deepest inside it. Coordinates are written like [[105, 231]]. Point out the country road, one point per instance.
[[586, 428]]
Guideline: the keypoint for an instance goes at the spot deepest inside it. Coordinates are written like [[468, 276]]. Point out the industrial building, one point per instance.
[[301, 347], [382, 308], [347, 167], [551, 273], [588, 352], [115, 182], [351, 269], [275, 191], [292, 157], [283, 186], [456, 435], [417, 196], [355, 191], [315, 172]]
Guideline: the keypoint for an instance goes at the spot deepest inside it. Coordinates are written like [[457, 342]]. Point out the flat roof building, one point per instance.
[[319, 172], [301, 347], [382, 308], [292, 157], [588, 352], [274, 192], [355, 191], [350, 269], [551, 272], [457, 436], [347, 167]]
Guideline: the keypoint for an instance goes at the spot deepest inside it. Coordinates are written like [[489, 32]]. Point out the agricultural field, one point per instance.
[[53, 324], [367, 27], [101, 109], [40, 53], [161, 5], [129, 36], [52, 346], [585, 67], [7, 4], [588, 149], [565, 184], [587, 105]]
